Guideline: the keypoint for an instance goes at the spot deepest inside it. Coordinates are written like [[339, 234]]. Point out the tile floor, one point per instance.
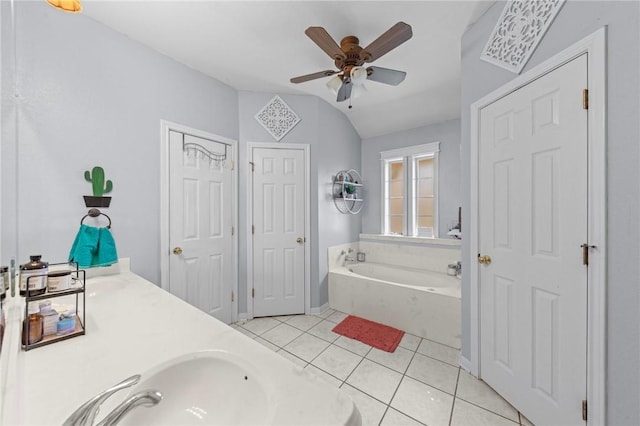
[[418, 384]]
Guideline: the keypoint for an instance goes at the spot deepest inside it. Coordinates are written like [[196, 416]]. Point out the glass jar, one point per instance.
[[36, 269], [32, 326]]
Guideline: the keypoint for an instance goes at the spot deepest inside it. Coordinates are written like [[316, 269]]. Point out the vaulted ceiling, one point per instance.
[[260, 45]]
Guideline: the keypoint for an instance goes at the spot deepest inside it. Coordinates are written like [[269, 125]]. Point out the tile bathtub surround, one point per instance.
[[418, 384]]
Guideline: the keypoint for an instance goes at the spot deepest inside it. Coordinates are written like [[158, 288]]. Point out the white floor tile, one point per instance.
[[398, 360], [303, 322], [422, 402], [478, 392], [337, 361], [326, 313], [291, 357], [371, 410], [324, 376], [260, 325], [282, 318], [306, 347], [465, 414], [323, 331], [395, 418], [245, 332], [281, 335], [267, 344], [441, 352], [409, 341], [375, 380], [352, 345], [337, 317], [434, 373]]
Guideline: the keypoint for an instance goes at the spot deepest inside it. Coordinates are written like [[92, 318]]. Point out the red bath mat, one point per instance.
[[372, 333]]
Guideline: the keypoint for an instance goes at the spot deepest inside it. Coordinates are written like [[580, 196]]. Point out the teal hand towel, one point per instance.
[[85, 246], [107, 254], [93, 247]]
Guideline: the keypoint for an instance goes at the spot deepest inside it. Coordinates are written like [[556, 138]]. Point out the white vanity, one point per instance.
[[134, 327]]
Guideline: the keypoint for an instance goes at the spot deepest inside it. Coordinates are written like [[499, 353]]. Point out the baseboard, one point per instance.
[[319, 310], [243, 316], [465, 364]]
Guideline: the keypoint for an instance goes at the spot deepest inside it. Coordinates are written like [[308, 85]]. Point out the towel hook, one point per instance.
[[95, 213]]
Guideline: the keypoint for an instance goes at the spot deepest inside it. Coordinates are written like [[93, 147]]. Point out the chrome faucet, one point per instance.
[[148, 398], [86, 414]]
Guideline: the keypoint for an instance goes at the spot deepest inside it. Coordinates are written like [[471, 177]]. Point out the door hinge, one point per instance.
[[253, 293], [253, 229], [232, 297], [233, 165], [253, 166], [233, 231], [585, 98], [584, 409], [585, 253]]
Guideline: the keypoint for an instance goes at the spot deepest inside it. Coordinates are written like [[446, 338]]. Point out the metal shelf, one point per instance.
[[341, 181]]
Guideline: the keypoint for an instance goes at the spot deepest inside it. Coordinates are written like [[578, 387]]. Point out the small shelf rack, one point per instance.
[[78, 289], [348, 191]]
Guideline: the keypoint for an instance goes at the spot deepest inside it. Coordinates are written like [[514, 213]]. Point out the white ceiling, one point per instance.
[[260, 45]]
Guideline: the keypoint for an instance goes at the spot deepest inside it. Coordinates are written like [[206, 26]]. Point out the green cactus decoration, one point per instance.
[[96, 177]]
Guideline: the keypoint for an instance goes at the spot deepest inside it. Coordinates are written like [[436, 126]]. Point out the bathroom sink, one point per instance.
[[213, 387]]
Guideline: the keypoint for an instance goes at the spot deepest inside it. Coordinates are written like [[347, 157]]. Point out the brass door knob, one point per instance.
[[299, 240], [485, 260], [177, 251]]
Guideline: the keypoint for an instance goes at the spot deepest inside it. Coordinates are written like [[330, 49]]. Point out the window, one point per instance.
[[409, 186]]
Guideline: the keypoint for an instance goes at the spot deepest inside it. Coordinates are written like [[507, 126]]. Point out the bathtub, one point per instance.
[[421, 302]]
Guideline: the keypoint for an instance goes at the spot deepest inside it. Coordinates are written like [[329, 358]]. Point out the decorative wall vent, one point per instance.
[[277, 118], [520, 28]]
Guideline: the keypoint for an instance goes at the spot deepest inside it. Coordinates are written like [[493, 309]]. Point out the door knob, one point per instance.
[[177, 251], [485, 260], [299, 240]]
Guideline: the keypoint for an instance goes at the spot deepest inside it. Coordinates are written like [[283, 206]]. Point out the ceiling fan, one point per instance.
[[349, 58]]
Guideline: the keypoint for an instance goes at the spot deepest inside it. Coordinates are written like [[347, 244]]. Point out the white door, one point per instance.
[[200, 225], [533, 220], [278, 231]]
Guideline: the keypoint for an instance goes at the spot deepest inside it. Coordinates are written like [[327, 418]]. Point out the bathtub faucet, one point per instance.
[[349, 257]]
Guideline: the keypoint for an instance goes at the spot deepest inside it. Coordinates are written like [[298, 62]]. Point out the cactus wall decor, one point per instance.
[[96, 177], [100, 187]]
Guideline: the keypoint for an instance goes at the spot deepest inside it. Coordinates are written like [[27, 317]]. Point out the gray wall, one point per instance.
[[90, 96], [449, 196], [575, 21], [334, 145]]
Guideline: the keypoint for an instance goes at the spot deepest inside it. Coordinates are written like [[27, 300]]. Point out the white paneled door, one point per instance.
[[278, 231], [200, 225], [533, 221]]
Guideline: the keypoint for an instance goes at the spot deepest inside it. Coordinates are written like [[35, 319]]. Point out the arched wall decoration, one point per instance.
[[277, 118], [517, 33]]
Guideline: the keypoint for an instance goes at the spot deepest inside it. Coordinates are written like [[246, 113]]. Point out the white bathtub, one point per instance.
[[420, 302]]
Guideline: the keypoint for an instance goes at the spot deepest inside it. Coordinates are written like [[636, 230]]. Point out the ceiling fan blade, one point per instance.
[[388, 41], [385, 75], [321, 37], [345, 91], [303, 78]]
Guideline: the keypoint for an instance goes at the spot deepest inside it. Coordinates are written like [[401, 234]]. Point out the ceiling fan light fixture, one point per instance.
[[334, 84], [70, 6], [358, 90], [358, 75]]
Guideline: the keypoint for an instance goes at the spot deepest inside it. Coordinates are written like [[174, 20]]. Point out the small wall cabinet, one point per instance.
[[348, 191]]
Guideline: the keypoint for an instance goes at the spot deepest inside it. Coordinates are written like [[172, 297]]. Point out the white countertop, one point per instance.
[[131, 326]]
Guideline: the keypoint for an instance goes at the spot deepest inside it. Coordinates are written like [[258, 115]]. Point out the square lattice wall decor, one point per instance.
[[277, 118], [518, 32]]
